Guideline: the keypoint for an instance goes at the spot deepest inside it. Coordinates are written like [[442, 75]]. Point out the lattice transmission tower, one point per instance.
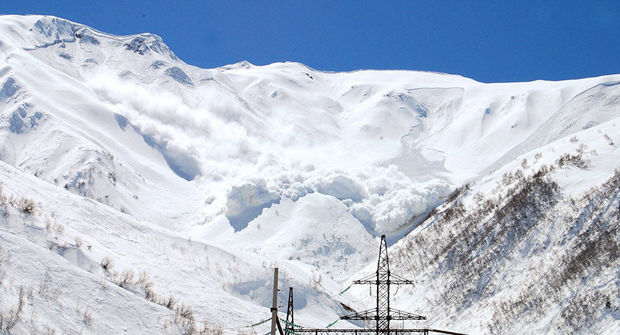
[[382, 314], [383, 278]]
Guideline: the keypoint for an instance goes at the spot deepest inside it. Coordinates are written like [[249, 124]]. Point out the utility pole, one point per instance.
[[275, 322]]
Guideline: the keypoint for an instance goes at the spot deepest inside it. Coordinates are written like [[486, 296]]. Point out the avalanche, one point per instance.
[[141, 194]]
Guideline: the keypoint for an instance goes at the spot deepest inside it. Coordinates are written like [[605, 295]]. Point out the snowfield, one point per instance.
[[143, 195]]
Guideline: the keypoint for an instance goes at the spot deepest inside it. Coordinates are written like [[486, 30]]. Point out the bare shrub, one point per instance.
[[3, 259], [10, 320], [183, 320], [519, 174], [25, 205], [3, 198], [574, 160], [88, 317], [49, 331], [126, 278], [78, 242], [4, 211], [169, 302], [185, 311], [537, 156], [143, 280], [212, 331], [507, 178], [544, 169], [107, 263], [59, 229], [150, 295]]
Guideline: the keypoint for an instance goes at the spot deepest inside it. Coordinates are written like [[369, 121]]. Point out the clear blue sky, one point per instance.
[[491, 41]]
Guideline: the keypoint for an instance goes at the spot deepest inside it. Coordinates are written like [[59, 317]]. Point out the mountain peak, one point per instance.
[[146, 43], [37, 31]]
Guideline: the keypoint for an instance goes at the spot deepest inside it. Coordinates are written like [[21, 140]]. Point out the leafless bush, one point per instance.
[[574, 160], [126, 278], [10, 320], [107, 263], [78, 242], [149, 294], [537, 156], [88, 317], [519, 174], [211, 331], [185, 311], [25, 205], [183, 320], [59, 229], [3, 259], [4, 211], [507, 178], [524, 163], [169, 302], [459, 191], [544, 169], [49, 331], [143, 280]]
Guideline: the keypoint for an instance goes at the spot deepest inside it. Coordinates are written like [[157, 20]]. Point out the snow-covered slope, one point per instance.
[[205, 179]]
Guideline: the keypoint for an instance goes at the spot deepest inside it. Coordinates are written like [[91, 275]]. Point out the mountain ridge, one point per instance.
[[231, 171]]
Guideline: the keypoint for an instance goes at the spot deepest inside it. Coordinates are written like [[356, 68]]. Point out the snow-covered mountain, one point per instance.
[[130, 178]]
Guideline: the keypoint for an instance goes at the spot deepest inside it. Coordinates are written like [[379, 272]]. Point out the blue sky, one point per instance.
[[490, 41]]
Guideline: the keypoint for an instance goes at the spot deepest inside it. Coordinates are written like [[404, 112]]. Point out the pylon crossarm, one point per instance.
[[394, 279], [364, 315], [358, 331], [396, 314], [401, 282], [366, 280], [398, 280], [333, 331], [391, 282]]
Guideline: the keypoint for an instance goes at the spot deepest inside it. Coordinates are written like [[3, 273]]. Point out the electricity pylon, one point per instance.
[[382, 313], [289, 326], [383, 279]]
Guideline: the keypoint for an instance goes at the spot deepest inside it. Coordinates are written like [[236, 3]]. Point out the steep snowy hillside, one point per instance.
[[112, 148], [533, 246]]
